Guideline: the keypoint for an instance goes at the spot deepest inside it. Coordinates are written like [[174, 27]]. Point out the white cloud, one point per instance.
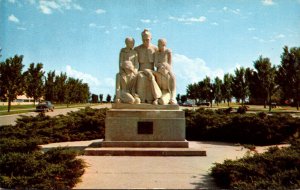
[[107, 32], [48, 6], [188, 20], [96, 85], [77, 7], [21, 28], [234, 11], [93, 25], [45, 9], [280, 36], [258, 39], [13, 18], [251, 29], [31, 1], [267, 2], [215, 23], [100, 11], [145, 20], [12, 1], [188, 70], [86, 78]]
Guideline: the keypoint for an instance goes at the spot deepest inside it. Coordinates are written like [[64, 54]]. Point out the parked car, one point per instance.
[[45, 106], [203, 104], [188, 104]]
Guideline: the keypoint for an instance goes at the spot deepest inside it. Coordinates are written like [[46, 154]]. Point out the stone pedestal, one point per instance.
[[144, 129]]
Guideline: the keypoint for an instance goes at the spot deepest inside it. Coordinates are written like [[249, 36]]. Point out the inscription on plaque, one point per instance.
[[145, 127]]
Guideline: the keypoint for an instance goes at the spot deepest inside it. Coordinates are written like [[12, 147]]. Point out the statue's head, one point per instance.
[[146, 37], [162, 44], [127, 66], [129, 41], [164, 68]]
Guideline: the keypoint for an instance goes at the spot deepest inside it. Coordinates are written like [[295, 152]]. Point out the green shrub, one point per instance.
[[56, 169], [24, 166], [85, 124], [241, 128], [275, 169]]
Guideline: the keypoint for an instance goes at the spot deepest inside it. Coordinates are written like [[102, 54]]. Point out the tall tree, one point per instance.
[[266, 77], [240, 86], [208, 90], [60, 87], [288, 76], [50, 86], [192, 92], [101, 97], [34, 81], [227, 87], [12, 78], [108, 98], [217, 86], [94, 98], [178, 98]]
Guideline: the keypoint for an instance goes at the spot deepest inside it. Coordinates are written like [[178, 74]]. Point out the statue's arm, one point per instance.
[[118, 86], [170, 57]]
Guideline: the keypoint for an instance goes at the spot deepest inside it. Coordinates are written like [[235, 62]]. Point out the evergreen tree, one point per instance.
[[34, 81], [12, 78], [240, 86], [50, 86]]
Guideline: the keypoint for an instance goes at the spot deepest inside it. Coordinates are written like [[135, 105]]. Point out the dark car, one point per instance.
[[45, 106], [188, 104]]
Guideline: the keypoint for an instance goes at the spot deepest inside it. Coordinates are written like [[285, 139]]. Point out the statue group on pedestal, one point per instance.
[[145, 73]]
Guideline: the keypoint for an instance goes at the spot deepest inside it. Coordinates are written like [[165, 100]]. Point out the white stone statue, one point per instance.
[[129, 54], [145, 53], [138, 82], [126, 84]]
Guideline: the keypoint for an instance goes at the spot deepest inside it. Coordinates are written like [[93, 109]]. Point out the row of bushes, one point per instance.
[[24, 166], [258, 129], [85, 124], [275, 169], [58, 168]]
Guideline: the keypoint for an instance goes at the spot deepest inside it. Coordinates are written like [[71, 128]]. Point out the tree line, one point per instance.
[[264, 84], [33, 82]]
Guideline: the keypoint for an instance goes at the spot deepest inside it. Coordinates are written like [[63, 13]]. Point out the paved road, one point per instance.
[[10, 119]]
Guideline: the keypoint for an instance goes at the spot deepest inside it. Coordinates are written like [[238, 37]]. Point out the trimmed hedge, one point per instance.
[[275, 169], [85, 124], [58, 168], [24, 166], [258, 129]]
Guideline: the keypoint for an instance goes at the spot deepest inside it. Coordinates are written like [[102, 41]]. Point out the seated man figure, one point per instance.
[[126, 84]]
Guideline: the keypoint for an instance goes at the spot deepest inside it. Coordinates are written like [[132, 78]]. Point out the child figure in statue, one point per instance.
[[163, 63], [129, 54], [126, 84]]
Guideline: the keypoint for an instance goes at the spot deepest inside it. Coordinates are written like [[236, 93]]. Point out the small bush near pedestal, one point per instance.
[[275, 169]]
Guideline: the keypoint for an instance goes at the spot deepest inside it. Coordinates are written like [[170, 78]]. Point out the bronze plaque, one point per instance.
[[145, 127]]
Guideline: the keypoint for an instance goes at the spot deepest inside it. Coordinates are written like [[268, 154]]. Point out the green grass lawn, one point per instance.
[[16, 109], [257, 108]]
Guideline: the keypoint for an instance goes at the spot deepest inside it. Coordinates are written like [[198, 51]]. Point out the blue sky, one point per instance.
[[207, 37]]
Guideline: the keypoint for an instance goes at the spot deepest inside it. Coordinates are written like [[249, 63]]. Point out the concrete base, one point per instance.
[[145, 124], [140, 144], [143, 152], [144, 130]]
